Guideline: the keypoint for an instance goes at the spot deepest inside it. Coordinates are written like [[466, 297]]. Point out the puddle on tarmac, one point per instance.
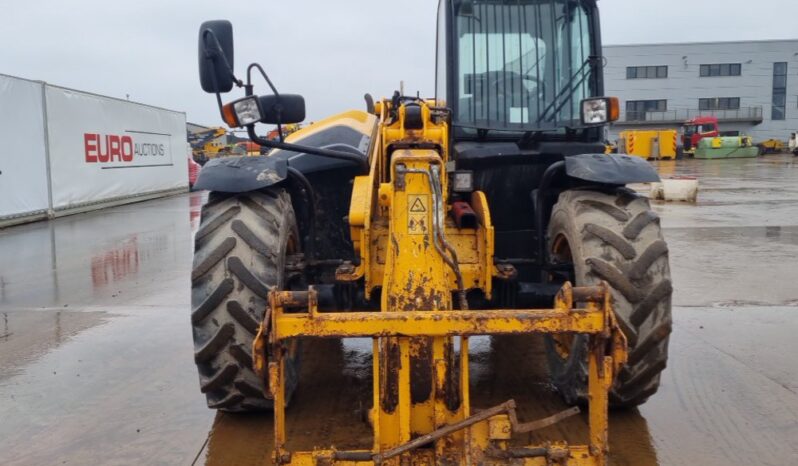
[[97, 258], [27, 335], [722, 265], [100, 388]]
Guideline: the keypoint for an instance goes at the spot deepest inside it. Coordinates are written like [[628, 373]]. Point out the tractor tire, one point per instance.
[[614, 237], [239, 255]]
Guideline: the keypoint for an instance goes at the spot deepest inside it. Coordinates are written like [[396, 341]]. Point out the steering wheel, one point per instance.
[[503, 79]]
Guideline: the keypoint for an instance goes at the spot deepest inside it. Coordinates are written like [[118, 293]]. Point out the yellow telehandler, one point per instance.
[[489, 209]]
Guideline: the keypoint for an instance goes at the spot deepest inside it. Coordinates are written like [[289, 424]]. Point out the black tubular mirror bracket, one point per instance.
[[262, 73], [360, 160], [219, 102], [249, 89], [215, 53], [212, 56]]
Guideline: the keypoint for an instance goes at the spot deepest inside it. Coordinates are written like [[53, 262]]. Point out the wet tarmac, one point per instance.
[[96, 354]]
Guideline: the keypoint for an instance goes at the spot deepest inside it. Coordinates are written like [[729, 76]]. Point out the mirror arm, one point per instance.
[[218, 52], [360, 160], [262, 73], [213, 57], [250, 91], [219, 102], [218, 96]]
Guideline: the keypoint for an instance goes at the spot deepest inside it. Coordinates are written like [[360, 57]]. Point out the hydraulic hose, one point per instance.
[[539, 198], [310, 197], [436, 186], [438, 237]]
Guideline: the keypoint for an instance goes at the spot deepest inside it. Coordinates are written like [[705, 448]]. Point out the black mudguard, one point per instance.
[[349, 132], [241, 174], [610, 169]]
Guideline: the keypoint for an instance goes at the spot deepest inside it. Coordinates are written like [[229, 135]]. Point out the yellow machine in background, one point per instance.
[[772, 146], [654, 144], [207, 144]]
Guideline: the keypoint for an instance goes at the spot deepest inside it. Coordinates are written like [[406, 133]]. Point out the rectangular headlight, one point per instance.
[[594, 111], [247, 111], [242, 112], [599, 110]]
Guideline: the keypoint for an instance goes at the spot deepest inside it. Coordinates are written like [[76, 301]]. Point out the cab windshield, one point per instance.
[[522, 65], [705, 128]]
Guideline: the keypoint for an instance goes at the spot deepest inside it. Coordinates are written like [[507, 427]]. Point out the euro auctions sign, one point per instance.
[[104, 149], [130, 149]]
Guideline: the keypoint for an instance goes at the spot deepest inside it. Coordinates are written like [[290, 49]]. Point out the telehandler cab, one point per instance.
[[489, 209]]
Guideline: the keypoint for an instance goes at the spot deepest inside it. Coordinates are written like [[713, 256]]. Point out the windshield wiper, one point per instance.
[[570, 88]]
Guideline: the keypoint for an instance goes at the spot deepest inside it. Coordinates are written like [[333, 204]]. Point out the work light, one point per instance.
[[599, 110], [462, 181], [242, 112]]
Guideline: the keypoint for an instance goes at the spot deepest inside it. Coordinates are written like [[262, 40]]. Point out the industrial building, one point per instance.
[[750, 86]]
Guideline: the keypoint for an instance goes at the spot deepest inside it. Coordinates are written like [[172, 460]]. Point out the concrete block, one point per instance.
[[674, 189]]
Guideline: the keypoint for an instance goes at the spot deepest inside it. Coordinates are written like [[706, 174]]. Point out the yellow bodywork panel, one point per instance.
[[358, 120], [375, 207], [415, 276]]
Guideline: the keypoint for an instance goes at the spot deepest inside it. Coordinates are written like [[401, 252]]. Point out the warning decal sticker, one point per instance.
[[417, 209], [418, 205]]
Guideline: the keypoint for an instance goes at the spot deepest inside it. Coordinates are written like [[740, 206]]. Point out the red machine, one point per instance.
[[193, 171], [697, 129], [246, 148]]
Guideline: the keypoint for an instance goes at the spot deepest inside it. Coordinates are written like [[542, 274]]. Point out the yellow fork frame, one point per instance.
[[481, 438]]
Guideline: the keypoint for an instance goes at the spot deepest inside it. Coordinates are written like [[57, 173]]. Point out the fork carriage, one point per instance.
[[455, 433]]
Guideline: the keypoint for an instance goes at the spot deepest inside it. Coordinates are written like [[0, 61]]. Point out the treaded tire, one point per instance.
[[239, 254], [615, 237]]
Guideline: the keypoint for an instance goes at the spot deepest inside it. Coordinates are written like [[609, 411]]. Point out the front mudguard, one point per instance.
[[611, 169], [241, 174]]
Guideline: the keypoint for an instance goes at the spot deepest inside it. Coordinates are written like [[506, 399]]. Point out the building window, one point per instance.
[[720, 69], [719, 103], [779, 109], [636, 109], [646, 72]]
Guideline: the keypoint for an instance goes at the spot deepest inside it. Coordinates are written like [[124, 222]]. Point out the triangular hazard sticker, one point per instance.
[[418, 206]]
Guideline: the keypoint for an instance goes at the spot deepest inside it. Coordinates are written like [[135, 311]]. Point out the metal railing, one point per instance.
[[743, 114]]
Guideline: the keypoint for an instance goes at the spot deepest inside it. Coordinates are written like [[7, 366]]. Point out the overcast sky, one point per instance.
[[330, 51]]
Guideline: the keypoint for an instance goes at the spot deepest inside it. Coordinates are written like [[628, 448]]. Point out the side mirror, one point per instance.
[[284, 109], [216, 56]]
